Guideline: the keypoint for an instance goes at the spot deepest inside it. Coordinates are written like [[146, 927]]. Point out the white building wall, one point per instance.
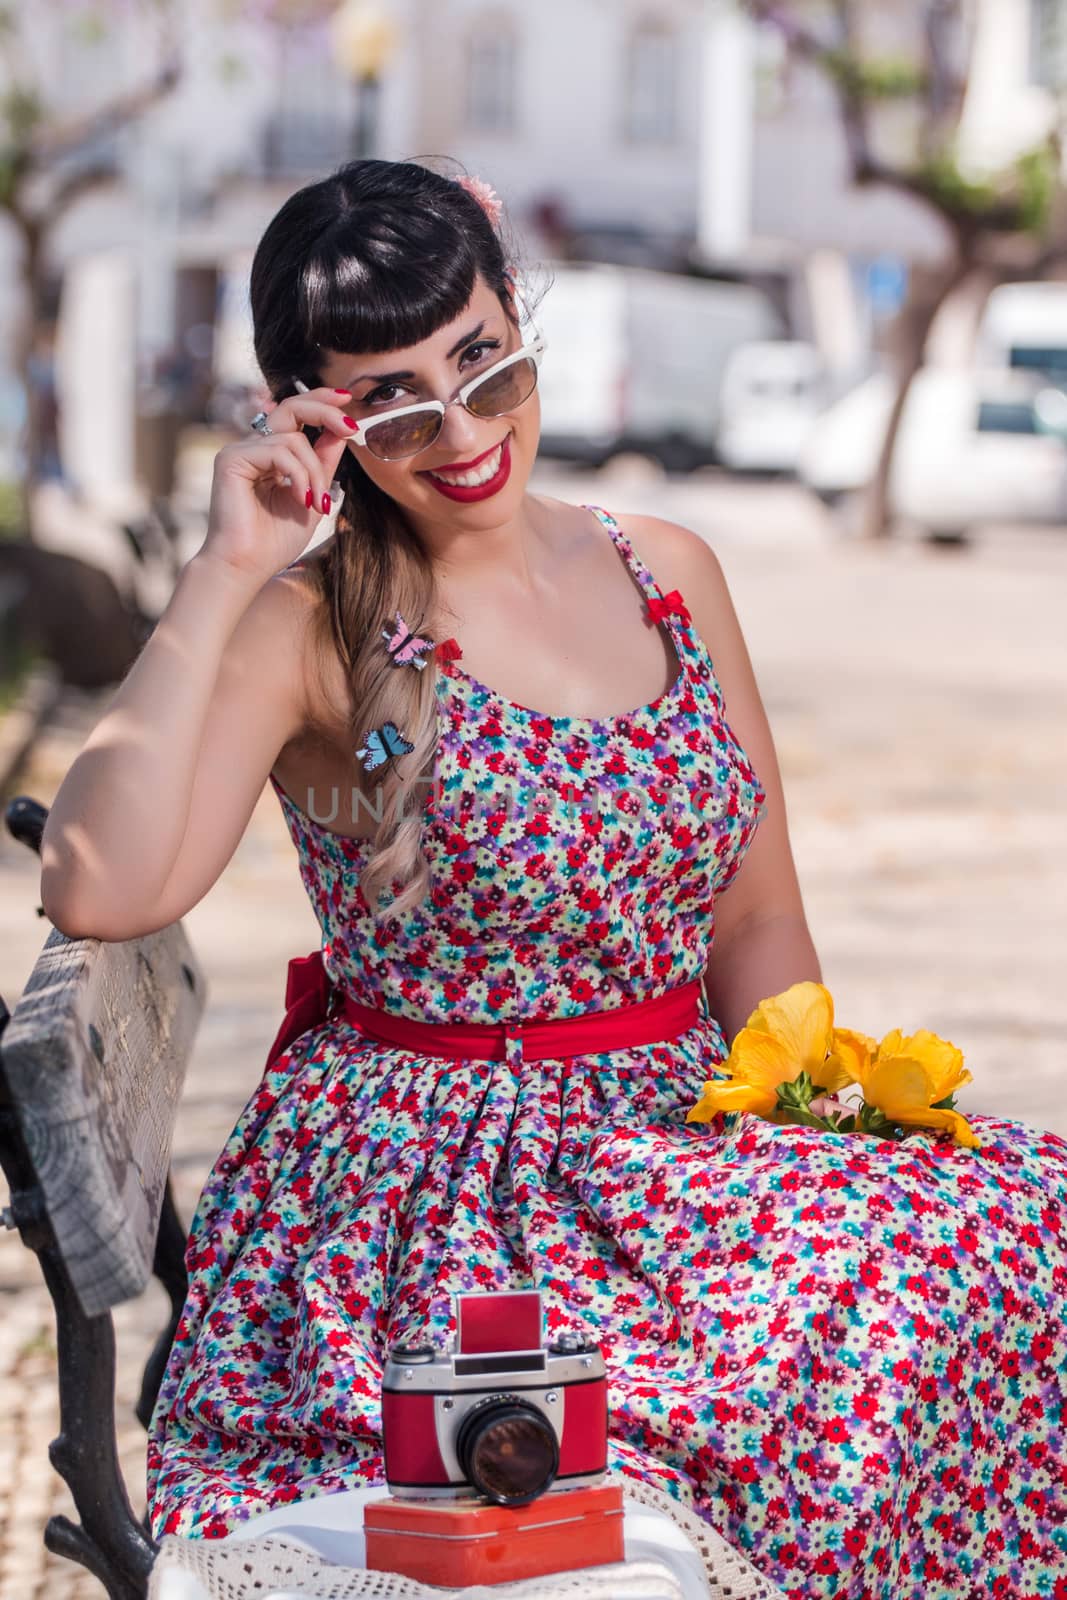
[[569, 141], [996, 126], [801, 193]]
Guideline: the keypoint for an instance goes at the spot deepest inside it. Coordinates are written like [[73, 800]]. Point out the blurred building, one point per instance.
[[626, 120], [653, 131]]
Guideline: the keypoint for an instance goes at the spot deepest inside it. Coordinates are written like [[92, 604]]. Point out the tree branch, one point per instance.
[[79, 183], [805, 44], [947, 86], [926, 183], [106, 119]]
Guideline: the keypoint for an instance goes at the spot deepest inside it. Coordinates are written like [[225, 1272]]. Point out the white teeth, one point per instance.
[[470, 480]]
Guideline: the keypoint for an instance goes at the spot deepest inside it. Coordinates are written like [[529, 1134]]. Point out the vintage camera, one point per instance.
[[498, 1414]]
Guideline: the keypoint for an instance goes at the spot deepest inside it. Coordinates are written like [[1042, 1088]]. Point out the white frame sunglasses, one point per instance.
[[529, 352]]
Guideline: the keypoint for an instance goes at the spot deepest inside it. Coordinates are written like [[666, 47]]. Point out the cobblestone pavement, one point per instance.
[[917, 698]]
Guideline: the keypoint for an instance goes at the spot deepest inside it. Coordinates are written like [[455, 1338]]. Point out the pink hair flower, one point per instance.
[[486, 197]]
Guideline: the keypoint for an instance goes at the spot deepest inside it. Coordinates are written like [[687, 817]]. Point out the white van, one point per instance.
[[635, 359], [1025, 325], [583, 374], [772, 391], [973, 448]]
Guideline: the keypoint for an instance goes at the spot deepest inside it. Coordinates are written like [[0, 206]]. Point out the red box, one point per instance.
[[456, 1543]]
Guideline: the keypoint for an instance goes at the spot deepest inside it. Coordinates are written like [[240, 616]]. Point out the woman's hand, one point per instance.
[[257, 522]]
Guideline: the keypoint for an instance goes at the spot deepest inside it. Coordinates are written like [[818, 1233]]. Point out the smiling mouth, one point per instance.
[[480, 471]]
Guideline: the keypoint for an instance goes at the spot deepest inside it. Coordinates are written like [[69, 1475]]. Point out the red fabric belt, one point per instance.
[[310, 999]]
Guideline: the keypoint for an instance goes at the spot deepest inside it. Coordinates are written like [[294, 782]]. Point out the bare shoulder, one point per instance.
[[678, 558], [273, 631], [298, 603]]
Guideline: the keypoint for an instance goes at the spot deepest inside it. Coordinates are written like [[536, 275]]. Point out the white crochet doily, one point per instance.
[[730, 1575], [274, 1567]]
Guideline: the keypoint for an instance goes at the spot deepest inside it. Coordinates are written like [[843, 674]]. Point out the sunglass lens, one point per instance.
[[405, 436], [503, 391]]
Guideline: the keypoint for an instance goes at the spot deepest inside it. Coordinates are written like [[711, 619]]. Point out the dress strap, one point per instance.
[[625, 548], [660, 605]]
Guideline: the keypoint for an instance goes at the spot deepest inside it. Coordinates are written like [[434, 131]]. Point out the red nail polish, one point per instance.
[[326, 505], [309, 499], [351, 424], [342, 391]]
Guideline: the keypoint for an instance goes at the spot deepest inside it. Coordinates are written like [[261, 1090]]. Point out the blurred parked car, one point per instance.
[[1025, 325], [973, 447], [635, 360], [772, 391], [839, 453]]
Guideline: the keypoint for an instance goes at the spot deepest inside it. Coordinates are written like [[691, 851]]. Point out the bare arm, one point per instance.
[[759, 961], [156, 802]]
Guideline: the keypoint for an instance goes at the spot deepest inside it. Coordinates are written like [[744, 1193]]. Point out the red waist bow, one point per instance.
[[310, 999], [307, 1001]]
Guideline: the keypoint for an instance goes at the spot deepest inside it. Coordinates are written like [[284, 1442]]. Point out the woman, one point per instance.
[[844, 1353]]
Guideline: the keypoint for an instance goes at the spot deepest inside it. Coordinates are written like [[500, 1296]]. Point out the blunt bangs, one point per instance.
[[382, 283]]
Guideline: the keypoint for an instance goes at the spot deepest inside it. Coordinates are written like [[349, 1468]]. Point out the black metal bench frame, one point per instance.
[[92, 1062]]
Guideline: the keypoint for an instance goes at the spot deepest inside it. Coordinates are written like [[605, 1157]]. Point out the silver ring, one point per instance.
[[259, 422]]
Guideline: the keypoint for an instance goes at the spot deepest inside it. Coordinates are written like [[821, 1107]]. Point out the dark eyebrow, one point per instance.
[[395, 377]]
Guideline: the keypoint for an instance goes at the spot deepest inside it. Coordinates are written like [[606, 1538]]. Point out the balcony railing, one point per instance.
[[293, 145]]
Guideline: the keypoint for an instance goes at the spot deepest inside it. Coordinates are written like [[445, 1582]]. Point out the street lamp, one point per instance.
[[363, 40]]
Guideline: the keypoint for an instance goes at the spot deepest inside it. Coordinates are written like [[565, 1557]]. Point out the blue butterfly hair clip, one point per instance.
[[381, 743]]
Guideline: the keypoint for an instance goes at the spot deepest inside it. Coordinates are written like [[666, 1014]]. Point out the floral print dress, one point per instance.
[[849, 1356]]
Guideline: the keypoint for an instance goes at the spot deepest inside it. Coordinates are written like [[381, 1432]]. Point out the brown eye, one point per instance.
[[485, 346], [381, 395]]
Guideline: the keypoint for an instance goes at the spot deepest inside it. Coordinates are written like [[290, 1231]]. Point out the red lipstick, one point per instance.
[[465, 466], [467, 493]]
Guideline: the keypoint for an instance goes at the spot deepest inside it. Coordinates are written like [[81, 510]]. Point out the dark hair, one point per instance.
[[375, 257]]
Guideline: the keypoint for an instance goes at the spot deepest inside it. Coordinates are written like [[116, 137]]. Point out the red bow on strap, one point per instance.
[[658, 609], [448, 650], [307, 1000]]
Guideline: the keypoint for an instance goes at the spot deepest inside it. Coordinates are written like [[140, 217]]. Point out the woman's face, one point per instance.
[[435, 370]]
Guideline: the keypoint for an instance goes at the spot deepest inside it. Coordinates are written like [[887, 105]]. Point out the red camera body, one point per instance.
[[500, 1415], [495, 1451]]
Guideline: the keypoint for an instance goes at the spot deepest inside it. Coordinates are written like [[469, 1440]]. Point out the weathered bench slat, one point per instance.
[[95, 1053]]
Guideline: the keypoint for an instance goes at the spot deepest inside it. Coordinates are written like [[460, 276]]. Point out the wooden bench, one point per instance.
[[92, 1062]]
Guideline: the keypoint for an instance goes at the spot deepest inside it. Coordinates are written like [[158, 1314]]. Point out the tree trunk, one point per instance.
[[31, 268], [914, 324]]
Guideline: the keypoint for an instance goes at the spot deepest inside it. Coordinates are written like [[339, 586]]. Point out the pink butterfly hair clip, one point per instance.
[[405, 647], [486, 197]]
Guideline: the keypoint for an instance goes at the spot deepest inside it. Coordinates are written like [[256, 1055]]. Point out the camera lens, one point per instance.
[[508, 1449]]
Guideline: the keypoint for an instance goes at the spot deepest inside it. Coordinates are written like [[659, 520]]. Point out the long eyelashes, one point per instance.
[[483, 344], [378, 396]]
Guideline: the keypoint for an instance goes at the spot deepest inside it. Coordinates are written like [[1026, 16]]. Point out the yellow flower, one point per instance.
[[906, 1077], [787, 1034]]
